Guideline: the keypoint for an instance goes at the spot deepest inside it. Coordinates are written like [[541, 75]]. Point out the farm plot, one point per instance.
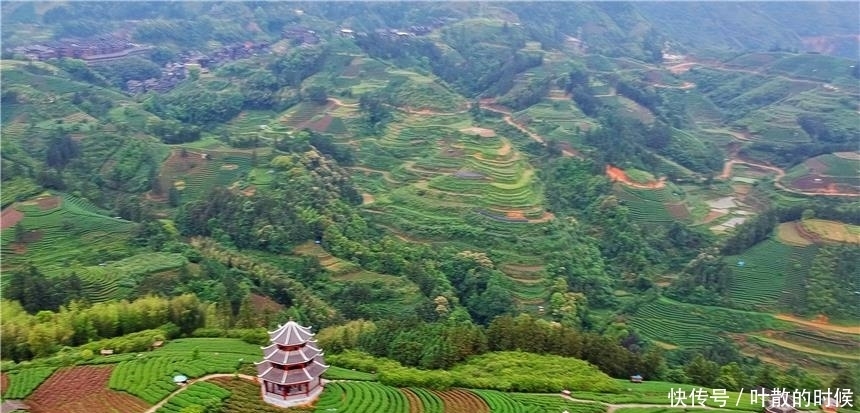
[[650, 205], [195, 172], [423, 401], [534, 403], [462, 401], [69, 232], [150, 377], [22, 382], [82, 390], [692, 325], [763, 272], [361, 397], [245, 397], [824, 230], [201, 394], [114, 280]]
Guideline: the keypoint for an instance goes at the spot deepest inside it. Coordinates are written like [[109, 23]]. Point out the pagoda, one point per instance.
[[290, 372]]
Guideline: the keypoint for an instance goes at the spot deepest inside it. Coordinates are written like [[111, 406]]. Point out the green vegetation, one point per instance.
[[512, 402], [432, 189], [200, 395], [361, 397], [22, 382], [150, 376], [668, 321], [766, 273]]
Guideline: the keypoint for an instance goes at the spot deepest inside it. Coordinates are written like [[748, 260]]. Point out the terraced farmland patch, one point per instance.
[[195, 172], [82, 390], [197, 394], [55, 237], [763, 272], [18, 384], [692, 325], [462, 401], [361, 397], [150, 377], [534, 403], [647, 205], [245, 397]]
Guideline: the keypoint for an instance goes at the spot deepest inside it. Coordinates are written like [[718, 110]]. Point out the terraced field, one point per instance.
[[150, 377], [48, 244], [534, 403], [198, 171], [766, 272], [114, 281], [360, 397], [692, 325], [651, 205]]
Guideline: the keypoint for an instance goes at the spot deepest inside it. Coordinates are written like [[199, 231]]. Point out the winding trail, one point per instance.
[[183, 388], [818, 325], [612, 407], [340, 103], [780, 173], [488, 105]]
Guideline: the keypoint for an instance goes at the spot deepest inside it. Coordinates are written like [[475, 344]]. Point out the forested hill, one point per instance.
[[664, 189]]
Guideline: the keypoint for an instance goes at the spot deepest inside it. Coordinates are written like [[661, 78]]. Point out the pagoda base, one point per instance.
[[293, 400]]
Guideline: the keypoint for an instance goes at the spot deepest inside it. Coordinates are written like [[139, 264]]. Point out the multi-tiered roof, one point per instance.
[[292, 364]]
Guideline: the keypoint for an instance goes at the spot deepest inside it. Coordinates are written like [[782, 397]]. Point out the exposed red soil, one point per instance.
[[712, 215], [820, 322], [47, 203], [681, 68], [262, 304], [462, 401], [4, 382], [515, 215], [415, 405], [82, 390], [9, 217], [618, 175], [678, 211], [321, 124]]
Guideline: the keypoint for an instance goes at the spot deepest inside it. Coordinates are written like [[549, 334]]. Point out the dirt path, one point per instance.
[[612, 407], [340, 103], [684, 86], [488, 105], [183, 388], [385, 174], [809, 350], [367, 198], [780, 173], [819, 325]]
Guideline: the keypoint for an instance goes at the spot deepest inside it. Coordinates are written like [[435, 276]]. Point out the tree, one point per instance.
[[20, 232], [844, 380], [702, 372], [317, 94]]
